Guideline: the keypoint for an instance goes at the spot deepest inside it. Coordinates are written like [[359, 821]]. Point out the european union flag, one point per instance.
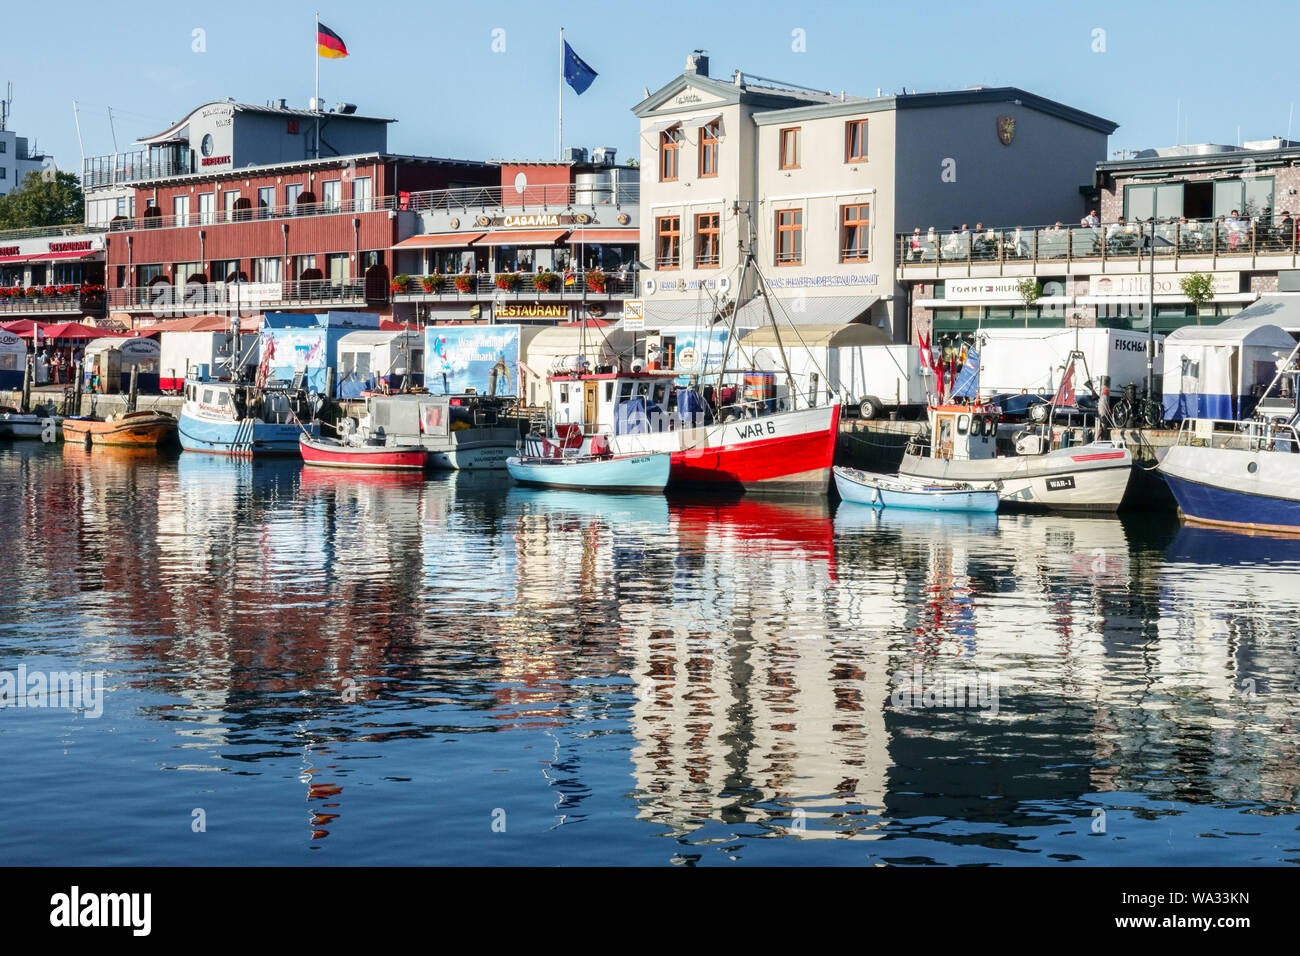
[[576, 71], [966, 379]]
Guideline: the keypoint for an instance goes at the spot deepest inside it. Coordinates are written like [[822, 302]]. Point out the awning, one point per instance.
[[15, 258], [547, 237], [593, 236], [993, 303], [440, 241], [1271, 309], [812, 310], [1159, 299], [663, 125], [79, 254]]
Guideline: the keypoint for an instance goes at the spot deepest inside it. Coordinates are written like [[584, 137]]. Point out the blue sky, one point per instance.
[[431, 65]]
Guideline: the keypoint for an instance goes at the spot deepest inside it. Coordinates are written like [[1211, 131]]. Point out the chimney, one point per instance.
[[697, 62]]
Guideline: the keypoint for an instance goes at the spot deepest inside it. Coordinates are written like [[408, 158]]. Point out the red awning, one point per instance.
[[629, 237], [434, 242], [74, 330], [547, 237], [80, 254], [21, 327], [15, 258]]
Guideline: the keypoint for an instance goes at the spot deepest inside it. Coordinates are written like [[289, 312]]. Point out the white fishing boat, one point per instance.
[[900, 491], [17, 424]]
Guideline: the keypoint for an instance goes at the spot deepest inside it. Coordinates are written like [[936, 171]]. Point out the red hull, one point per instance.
[[402, 459], [794, 463]]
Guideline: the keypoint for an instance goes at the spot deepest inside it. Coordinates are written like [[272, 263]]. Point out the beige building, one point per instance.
[[817, 184]]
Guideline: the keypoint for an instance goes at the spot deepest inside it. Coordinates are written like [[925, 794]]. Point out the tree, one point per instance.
[[46, 198], [1030, 291], [1199, 289]]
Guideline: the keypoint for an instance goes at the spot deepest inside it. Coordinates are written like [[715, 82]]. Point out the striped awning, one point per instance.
[[547, 237], [440, 241]]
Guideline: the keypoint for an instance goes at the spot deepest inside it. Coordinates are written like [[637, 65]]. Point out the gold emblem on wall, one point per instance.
[[1006, 129]]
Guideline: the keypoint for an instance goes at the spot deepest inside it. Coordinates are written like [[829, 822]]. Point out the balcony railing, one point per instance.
[[99, 171], [12, 303], [1204, 238], [42, 232], [484, 286], [544, 197], [221, 217], [199, 298]]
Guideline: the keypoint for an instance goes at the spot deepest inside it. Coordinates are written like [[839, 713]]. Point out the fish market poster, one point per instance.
[[459, 358]]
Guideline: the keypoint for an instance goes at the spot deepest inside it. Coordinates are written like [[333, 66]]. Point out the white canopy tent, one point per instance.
[[1210, 370]]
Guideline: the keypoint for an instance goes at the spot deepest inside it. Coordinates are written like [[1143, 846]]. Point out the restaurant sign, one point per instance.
[[536, 220], [1167, 283], [535, 310]]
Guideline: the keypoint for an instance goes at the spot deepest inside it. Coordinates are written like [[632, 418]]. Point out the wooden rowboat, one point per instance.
[[139, 429]]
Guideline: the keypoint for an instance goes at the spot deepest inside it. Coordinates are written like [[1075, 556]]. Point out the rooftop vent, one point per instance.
[[347, 108], [603, 155]]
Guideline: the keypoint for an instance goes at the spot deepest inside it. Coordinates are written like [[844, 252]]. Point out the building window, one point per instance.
[[706, 240], [790, 148], [670, 144], [709, 150], [229, 198], [789, 237], [181, 210], [336, 268], [855, 141], [266, 269], [361, 194], [331, 195], [291, 194], [4, 173], [265, 201], [669, 248], [855, 233], [3, 146]]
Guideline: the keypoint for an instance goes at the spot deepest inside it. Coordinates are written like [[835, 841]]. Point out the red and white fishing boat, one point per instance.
[[732, 438], [329, 453]]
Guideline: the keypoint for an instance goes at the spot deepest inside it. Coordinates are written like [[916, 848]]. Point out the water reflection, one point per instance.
[[690, 680]]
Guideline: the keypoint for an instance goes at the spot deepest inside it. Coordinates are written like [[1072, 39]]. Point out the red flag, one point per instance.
[[952, 374], [1065, 394], [926, 361]]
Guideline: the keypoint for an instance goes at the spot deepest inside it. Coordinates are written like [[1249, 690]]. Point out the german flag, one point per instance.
[[328, 43]]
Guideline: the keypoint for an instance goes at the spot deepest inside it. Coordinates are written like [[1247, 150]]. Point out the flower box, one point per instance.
[[508, 281], [464, 284], [544, 281], [595, 280], [432, 283], [400, 283]]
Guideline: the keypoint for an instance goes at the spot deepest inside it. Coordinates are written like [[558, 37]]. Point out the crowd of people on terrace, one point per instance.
[[1224, 235], [55, 366]]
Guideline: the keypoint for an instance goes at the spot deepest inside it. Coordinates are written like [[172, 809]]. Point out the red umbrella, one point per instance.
[[22, 327], [74, 330]]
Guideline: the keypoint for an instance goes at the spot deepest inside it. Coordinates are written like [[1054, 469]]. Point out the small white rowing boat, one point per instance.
[[901, 491]]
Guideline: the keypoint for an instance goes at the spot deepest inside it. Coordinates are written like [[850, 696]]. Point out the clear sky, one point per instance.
[[432, 65]]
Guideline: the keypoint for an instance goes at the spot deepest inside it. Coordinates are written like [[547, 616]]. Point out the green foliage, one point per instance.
[[1030, 290], [44, 199], [1198, 287]]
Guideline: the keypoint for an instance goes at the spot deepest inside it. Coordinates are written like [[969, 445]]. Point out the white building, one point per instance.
[[17, 159], [819, 183]]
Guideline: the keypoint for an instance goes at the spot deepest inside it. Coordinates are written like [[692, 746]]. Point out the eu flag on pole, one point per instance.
[[578, 74]]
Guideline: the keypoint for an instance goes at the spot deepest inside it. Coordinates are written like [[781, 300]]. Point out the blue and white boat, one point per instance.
[[226, 418], [1242, 474], [593, 473], [901, 491]]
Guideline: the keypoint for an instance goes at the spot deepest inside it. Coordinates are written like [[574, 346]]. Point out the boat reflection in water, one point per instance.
[[367, 664]]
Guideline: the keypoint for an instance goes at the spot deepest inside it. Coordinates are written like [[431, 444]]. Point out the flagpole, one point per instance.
[[315, 101], [559, 99]]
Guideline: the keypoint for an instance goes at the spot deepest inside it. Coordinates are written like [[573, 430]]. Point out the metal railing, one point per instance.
[[74, 302], [250, 213], [1251, 435], [196, 297], [546, 197], [41, 232], [484, 285], [1202, 238], [97, 171]]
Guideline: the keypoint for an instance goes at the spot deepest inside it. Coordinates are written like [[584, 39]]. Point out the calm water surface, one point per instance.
[[308, 667]]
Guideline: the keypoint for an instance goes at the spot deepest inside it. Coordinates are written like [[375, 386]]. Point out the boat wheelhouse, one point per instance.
[[459, 432]]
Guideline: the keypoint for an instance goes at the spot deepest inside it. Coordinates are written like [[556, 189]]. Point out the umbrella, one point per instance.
[[74, 330], [21, 327]]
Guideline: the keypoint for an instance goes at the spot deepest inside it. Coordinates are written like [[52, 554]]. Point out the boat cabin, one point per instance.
[[963, 432], [619, 403], [225, 401]]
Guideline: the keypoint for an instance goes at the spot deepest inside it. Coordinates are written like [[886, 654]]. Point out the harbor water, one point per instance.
[[306, 667]]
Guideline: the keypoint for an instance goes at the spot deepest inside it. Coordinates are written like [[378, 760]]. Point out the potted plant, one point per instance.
[[595, 279], [508, 281], [544, 281], [400, 283], [432, 283], [464, 284]]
